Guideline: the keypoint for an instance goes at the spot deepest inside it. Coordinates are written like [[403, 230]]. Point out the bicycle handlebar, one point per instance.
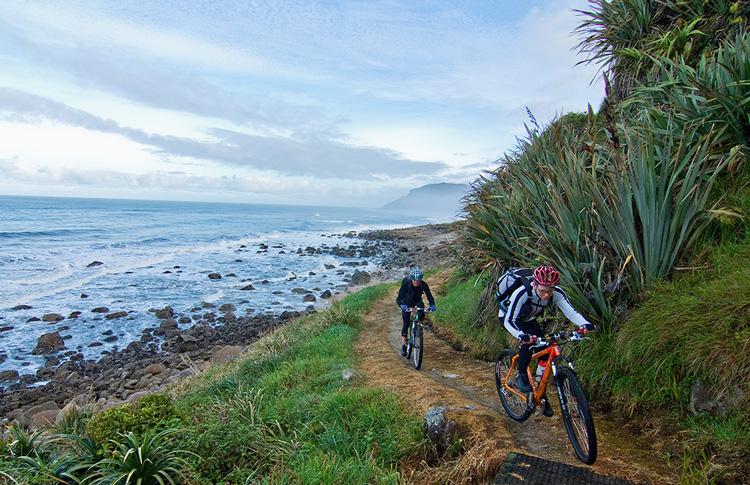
[[569, 335], [426, 310]]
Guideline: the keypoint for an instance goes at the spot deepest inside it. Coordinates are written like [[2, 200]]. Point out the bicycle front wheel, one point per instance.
[[416, 357], [514, 405], [579, 423]]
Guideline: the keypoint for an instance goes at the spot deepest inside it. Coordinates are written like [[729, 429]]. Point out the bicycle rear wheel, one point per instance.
[[418, 347], [579, 423], [513, 404]]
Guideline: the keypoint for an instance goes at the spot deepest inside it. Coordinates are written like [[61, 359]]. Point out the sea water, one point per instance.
[[153, 254]]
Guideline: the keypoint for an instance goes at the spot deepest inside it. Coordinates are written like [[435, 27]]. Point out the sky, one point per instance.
[[346, 103]]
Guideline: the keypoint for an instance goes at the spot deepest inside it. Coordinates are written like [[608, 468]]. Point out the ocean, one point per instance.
[[153, 254]]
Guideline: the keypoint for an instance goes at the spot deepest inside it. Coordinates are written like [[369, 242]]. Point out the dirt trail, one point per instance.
[[466, 387]]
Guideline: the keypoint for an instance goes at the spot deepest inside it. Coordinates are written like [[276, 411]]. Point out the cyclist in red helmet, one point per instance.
[[524, 306]]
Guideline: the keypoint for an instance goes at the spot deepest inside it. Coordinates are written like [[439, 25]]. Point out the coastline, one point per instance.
[[166, 353]]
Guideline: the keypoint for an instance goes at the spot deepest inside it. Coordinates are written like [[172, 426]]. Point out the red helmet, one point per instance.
[[546, 276]]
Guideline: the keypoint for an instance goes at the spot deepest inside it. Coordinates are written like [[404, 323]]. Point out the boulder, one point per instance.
[[43, 419], [184, 320], [214, 276], [114, 315], [154, 369], [300, 291], [326, 294], [94, 264], [48, 343], [20, 307], [8, 375], [52, 317], [329, 266], [33, 319], [226, 353], [74, 314], [360, 277], [309, 297], [69, 410], [164, 313], [100, 309], [703, 399], [227, 307], [247, 288], [6, 328], [440, 430]]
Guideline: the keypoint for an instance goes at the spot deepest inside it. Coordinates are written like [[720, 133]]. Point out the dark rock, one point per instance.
[[263, 246], [115, 315], [111, 338], [167, 272], [441, 431], [309, 297], [247, 288], [184, 320], [230, 275], [264, 282], [329, 266], [300, 291], [33, 319], [360, 277], [326, 294], [168, 324], [20, 307], [277, 292], [311, 273], [8, 375], [164, 313], [206, 304], [6, 328], [703, 399], [84, 295], [100, 309], [74, 314], [52, 317], [227, 307], [214, 276], [108, 332], [94, 264], [48, 343]]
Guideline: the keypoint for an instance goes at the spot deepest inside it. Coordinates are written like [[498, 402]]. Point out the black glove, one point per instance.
[[526, 338]]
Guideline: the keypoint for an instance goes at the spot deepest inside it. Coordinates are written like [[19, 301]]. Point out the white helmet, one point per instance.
[[416, 273]]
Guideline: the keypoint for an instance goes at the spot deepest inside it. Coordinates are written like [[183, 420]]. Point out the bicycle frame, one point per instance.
[[551, 353]]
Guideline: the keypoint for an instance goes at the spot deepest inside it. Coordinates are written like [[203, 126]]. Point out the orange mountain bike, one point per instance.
[[579, 423]]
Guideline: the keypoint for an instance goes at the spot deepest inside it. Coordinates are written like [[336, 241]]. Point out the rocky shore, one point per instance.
[[166, 353]]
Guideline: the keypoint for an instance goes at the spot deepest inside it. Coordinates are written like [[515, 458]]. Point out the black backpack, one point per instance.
[[520, 277]]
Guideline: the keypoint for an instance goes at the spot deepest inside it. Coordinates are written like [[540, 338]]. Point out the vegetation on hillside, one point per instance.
[[641, 203], [287, 412]]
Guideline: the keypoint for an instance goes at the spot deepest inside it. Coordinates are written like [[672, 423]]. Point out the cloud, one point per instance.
[[318, 157]]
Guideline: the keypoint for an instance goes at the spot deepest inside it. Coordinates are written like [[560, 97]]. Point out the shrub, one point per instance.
[[153, 412]]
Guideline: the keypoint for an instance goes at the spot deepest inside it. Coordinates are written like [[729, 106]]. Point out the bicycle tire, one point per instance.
[[409, 340], [514, 406], [579, 423], [418, 347]]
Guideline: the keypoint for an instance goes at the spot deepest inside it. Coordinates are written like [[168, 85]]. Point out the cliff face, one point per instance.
[[435, 200]]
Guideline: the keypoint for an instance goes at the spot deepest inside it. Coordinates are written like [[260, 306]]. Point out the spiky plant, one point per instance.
[[626, 37], [149, 460]]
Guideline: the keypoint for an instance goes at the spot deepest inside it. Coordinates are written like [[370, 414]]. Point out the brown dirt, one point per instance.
[[470, 396]]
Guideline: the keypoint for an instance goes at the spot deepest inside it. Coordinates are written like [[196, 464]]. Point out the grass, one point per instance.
[[456, 320], [286, 415]]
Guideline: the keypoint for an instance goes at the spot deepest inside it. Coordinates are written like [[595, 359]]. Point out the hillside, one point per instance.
[[442, 201]]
